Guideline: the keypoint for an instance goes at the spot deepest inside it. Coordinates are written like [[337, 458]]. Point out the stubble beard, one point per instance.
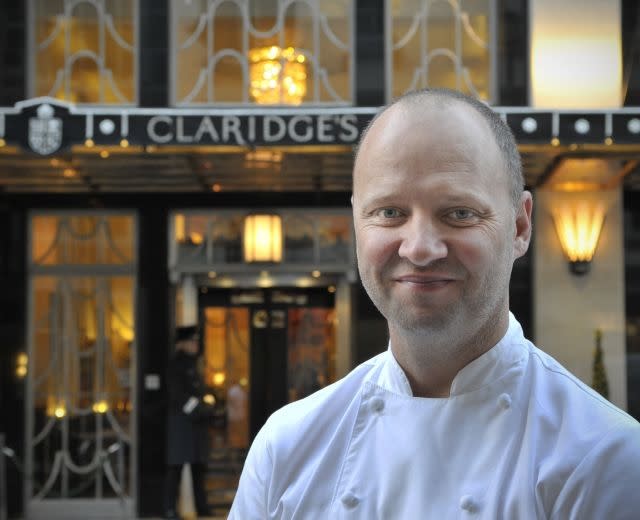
[[449, 330]]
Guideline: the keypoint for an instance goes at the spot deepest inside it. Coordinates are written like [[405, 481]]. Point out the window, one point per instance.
[[84, 51], [262, 52]]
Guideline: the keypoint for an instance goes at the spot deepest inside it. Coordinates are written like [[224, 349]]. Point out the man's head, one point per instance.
[[187, 339], [440, 215]]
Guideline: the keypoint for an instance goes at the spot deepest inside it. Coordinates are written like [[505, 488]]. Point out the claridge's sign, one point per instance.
[[46, 125]]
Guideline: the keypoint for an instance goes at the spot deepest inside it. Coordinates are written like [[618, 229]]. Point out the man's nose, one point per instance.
[[422, 243]]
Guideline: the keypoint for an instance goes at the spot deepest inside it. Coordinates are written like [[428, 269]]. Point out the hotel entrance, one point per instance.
[[263, 348]]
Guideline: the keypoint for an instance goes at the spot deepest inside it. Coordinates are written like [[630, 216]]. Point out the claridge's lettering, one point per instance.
[[253, 129]]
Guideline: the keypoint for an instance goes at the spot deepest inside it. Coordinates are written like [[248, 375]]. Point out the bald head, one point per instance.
[[427, 99]]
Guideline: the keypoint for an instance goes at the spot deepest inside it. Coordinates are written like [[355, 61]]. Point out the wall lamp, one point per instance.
[[579, 226], [262, 239]]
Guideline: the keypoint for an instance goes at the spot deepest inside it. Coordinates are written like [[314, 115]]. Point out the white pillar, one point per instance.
[[568, 308]]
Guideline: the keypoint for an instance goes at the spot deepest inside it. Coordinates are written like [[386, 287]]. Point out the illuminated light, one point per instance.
[[212, 274], [578, 227], [22, 359], [219, 378], [277, 76], [216, 188], [555, 142], [227, 283], [60, 412], [575, 54], [262, 238], [209, 398], [179, 228], [2, 142], [316, 274], [69, 173], [608, 141], [89, 143], [243, 381], [104, 154], [21, 371], [100, 407], [196, 238], [304, 281], [54, 162], [331, 288], [124, 143]]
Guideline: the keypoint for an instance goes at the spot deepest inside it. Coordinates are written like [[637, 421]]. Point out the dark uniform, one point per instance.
[[188, 425]]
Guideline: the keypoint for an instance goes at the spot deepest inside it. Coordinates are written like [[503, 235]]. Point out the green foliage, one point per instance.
[[600, 383]]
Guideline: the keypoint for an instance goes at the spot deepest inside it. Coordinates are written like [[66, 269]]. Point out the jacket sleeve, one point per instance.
[[605, 483], [250, 501]]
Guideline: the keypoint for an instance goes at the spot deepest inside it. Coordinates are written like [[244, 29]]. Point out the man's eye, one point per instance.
[[462, 214], [389, 213]]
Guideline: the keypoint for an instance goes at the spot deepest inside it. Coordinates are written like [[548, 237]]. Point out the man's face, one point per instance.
[[436, 230]]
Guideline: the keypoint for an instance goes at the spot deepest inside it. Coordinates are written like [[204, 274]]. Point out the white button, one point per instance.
[[377, 404], [504, 401], [468, 504], [350, 501]]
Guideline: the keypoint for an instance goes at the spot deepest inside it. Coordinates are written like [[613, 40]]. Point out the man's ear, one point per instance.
[[523, 225]]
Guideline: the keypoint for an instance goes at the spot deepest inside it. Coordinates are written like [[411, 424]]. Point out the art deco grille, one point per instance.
[[80, 426], [441, 43], [84, 51], [248, 51]]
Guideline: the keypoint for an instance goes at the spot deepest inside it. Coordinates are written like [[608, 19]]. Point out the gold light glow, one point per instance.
[[22, 362], [209, 399], [578, 229], [179, 227], [219, 378], [278, 76], [263, 238], [60, 411], [100, 406], [576, 54]]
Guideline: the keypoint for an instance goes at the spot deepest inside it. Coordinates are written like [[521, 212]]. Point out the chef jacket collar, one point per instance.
[[490, 366]]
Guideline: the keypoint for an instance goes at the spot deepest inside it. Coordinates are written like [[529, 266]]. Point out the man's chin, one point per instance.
[[424, 322]]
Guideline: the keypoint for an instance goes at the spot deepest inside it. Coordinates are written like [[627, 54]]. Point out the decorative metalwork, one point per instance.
[[80, 431], [203, 242], [213, 41], [84, 51], [441, 43]]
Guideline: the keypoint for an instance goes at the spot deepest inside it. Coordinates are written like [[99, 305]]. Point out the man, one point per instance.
[[462, 416], [190, 411]]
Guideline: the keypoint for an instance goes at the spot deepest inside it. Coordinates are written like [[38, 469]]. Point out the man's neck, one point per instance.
[[432, 361]]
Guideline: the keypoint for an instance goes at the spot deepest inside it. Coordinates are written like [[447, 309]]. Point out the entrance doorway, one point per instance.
[[263, 348]]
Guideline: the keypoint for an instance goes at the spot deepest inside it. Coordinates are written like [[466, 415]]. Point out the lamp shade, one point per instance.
[[263, 238], [578, 229]]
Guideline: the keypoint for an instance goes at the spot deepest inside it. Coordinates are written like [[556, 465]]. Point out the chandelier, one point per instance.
[[277, 76]]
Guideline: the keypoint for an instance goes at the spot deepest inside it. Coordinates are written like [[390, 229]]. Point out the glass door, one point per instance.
[[263, 348], [80, 420]]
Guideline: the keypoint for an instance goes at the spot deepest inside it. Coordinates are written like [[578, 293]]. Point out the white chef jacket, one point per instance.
[[518, 438]]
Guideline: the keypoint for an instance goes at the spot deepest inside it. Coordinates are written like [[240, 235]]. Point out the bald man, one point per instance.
[[462, 416]]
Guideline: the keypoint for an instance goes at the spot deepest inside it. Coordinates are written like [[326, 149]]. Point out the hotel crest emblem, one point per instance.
[[45, 131]]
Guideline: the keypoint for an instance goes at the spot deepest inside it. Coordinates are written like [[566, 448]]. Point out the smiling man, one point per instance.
[[462, 415]]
